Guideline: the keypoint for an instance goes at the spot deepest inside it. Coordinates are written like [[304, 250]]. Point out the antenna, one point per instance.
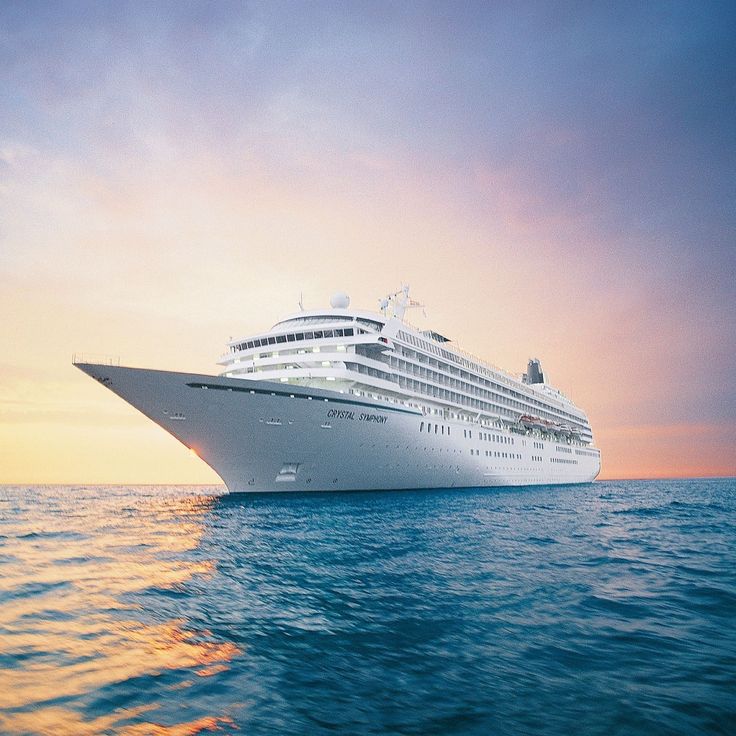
[[301, 301], [401, 302]]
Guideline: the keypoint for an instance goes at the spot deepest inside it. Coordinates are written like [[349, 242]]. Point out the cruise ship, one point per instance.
[[340, 399]]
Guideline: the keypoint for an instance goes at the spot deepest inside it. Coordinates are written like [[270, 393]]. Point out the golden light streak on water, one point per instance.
[[71, 614]]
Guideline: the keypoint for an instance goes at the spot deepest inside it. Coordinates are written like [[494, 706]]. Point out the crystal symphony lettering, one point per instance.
[[361, 417]]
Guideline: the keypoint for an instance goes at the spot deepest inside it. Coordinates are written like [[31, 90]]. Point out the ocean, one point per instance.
[[607, 608]]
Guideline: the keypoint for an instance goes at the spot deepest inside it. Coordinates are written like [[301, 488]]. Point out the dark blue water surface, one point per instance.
[[601, 609]]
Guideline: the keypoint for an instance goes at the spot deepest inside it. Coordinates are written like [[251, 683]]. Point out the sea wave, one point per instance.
[[602, 609]]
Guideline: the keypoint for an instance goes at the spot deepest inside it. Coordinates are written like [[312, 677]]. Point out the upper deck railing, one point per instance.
[[504, 376]]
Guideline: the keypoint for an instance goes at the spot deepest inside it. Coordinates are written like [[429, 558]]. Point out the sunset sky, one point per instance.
[[554, 180]]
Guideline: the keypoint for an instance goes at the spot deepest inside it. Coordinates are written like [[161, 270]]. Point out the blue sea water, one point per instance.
[[601, 609]]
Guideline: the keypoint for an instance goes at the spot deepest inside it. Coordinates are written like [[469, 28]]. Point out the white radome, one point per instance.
[[340, 300]]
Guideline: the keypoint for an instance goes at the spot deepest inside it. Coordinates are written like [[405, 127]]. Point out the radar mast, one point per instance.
[[399, 301]]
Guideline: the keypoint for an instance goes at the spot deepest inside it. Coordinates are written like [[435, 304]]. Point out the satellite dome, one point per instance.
[[340, 300]]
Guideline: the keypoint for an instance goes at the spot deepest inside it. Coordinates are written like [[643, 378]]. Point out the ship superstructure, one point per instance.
[[345, 399]]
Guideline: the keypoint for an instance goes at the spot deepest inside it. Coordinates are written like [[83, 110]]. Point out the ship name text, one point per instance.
[[361, 417]]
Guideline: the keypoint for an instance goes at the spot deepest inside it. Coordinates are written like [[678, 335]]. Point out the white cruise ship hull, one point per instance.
[[262, 437]]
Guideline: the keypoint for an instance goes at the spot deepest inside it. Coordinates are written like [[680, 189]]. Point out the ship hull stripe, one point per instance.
[[301, 395]]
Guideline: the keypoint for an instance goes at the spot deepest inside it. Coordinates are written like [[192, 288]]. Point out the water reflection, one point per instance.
[[75, 632]]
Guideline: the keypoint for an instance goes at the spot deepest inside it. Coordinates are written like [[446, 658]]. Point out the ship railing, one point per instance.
[[501, 374], [453, 346], [95, 358]]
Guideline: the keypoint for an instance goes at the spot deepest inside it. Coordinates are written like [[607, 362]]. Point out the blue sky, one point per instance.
[[554, 179]]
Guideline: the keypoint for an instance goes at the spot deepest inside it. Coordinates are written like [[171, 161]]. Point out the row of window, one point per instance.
[[459, 400], [468, 434], [438, 428], [475, 367], [517, 456], [456, 379], [293, 337], [497, 453], [586, 452], [367, 371], [447, 355], [501, 439], [468, 382], [489, 437]]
